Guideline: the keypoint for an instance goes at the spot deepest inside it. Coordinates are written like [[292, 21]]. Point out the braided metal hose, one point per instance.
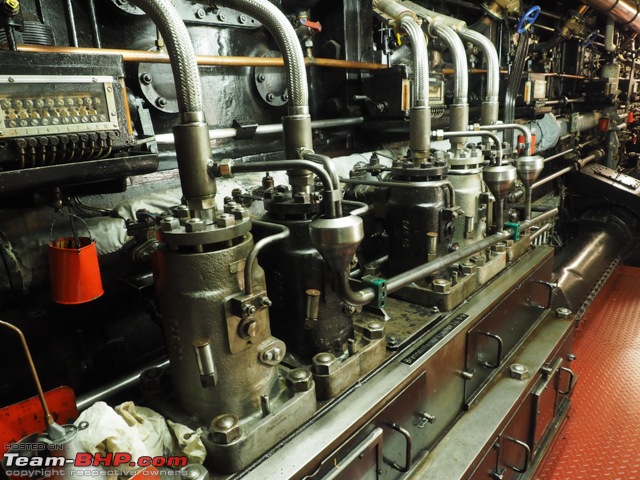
[[491, 57], [180, 49], [282, 30], [420, 61], [459, 56], [489, 114]]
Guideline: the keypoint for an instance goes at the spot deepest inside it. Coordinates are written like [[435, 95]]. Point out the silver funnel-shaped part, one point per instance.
[[529, 169], [499, 179], [337, 239]]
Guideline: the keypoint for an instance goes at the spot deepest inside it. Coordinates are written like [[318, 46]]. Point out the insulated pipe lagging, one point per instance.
[[490, 106], [625, 12], [183, 58], [609, 44]]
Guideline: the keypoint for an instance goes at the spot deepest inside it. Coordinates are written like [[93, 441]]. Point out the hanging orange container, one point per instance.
[[75, 273]]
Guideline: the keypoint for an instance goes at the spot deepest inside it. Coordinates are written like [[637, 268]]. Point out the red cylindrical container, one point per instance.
[[75, 273]]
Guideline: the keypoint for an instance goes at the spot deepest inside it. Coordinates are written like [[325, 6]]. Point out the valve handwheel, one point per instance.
[[528, 19]]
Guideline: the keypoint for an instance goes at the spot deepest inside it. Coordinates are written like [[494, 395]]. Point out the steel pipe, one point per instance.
[[459, 109], [279, 165], [526, 132], [269, 129], [366, 295], [142, 56], [440, 134], [257, 248], [490, 106]]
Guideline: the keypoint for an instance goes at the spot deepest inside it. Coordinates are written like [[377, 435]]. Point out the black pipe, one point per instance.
[[71, 23], [95, 30]]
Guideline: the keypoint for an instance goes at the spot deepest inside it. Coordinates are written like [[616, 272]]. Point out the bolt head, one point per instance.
[[563, 312], [161, 102], [194, 225], [299, 380], [373, 331], [225, 220], [468, 268], [518, 371], [441, 285], [181, 211], [169, 223], [200, 13], [324, 363], [146, 78], [225, 429], [270, 97], [240, 213], [479, 260]]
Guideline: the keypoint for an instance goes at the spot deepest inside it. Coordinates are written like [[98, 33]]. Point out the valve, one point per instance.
[[528, 19]]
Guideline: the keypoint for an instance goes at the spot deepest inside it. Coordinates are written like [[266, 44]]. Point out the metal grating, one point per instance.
[[601, 440]]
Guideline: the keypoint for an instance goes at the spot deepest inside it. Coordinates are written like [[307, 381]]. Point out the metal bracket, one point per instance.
[[516, 229], [498, 340], [245, 128], [379, 286]]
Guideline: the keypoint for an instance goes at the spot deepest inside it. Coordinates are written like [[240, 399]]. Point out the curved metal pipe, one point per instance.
[[459, 109], [257, 248], [328, 165], [439, 134], [526, 132], [366, 295], [490, 105], [180, 49], [285, 36], [48, 418], [360, 207], [420, 114], [279, 165]]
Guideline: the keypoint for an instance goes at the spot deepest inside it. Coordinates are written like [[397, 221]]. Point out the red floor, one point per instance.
[[602, 437]]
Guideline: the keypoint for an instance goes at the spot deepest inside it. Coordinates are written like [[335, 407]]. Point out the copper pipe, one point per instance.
[[203, 60], [48, 418]]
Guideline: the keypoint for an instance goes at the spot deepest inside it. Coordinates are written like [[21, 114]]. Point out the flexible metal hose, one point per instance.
[[180, 49], [490, 105], [459, 56], [420, 61], [278, 25]]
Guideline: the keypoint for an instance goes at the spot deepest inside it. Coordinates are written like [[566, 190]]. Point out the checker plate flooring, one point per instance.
[[601, 440]]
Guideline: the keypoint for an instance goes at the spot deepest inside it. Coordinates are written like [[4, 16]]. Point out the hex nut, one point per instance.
[[181, 211], [299, 380], [324, 363], [563, 312], [373, 331], [479, 260], [468, 268], [229, 206], [518, 371], [240, 213], [225, 168], [194, 225], [225, 220], [499, 247], [225, 429], [441, 285], [169, 223], [203, 203]]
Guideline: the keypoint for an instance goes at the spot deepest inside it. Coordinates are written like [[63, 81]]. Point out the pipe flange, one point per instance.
[[222, 231], [405, 170]]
